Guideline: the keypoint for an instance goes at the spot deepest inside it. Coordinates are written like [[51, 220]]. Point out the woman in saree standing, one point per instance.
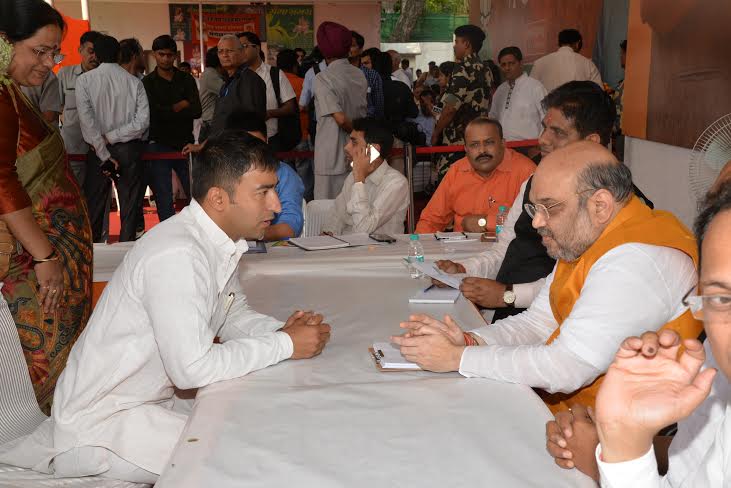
[[47, 282]]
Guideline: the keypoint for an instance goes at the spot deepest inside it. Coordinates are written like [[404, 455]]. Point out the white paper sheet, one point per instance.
[[429, 268]]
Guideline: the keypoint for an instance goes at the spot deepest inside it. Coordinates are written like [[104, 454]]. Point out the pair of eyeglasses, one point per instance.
[[533, 209], [705, 306], [247, 46], [53, 55]]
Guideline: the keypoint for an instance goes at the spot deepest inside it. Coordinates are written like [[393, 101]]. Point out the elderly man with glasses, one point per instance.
[[622, 269], [242, 91]]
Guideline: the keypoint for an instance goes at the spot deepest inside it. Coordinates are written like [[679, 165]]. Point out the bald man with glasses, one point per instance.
[[622, 269]]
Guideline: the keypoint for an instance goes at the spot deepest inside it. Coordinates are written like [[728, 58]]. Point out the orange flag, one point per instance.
[[75, 28]]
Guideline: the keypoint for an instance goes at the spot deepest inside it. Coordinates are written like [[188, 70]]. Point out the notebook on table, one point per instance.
[[435, 294], [318, 243], [452, 236], [388, 358]]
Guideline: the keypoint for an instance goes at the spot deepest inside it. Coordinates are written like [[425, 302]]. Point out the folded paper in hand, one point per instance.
[[431, 270]]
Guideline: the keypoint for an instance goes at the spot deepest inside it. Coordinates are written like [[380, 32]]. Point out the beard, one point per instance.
[[577, 239]]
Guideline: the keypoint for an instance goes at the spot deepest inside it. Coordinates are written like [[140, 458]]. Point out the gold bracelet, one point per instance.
[[51, 257]]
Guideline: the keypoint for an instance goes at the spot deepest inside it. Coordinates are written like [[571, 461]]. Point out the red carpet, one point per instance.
[[151, 219]]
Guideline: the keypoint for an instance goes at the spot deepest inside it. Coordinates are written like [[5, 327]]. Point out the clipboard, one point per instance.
[[377, 362]]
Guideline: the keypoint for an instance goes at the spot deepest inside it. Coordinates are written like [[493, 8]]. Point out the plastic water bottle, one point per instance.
[[416, 254], [502, 216]]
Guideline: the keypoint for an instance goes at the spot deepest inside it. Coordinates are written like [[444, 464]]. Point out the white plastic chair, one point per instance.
[[318, 211], [304, 217]]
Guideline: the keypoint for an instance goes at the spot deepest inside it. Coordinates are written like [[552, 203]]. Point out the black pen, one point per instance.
[[429, 288]]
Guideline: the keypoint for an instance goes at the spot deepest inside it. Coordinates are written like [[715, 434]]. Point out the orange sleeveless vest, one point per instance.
[[634, 223]]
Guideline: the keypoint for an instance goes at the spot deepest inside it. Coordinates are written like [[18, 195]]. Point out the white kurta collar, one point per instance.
[[218, 237]]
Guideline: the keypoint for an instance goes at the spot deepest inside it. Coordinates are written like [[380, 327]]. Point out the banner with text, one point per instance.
[[218, 20]]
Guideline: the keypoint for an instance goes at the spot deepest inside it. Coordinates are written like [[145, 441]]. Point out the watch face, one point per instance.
[[509, 297]]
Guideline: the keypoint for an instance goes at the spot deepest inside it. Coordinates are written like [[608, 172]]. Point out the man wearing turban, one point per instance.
[[340, 97]]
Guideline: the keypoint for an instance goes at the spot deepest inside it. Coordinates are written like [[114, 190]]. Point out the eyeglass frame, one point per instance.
[[696, 301], [247, 46], [229, 51], [53, 55], [532, 209]]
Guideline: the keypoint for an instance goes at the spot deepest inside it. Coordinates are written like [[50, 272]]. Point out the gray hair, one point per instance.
[[231, 37], [612, 176], [394, 55]]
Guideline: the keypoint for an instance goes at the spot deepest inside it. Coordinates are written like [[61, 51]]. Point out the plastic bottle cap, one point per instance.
[[414, 237], [503, 208]]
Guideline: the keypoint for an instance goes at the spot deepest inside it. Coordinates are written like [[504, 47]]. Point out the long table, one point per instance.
[[335, 420]]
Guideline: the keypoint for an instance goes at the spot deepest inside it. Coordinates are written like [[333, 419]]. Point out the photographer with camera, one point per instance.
[[114, 114]]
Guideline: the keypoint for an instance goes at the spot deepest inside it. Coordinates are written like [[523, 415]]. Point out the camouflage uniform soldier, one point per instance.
[[467, 95]]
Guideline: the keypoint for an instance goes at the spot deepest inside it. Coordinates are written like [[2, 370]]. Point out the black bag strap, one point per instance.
[[274, 74]]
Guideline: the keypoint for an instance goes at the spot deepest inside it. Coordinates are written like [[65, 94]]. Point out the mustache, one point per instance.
[[542, 231], [484, 155]]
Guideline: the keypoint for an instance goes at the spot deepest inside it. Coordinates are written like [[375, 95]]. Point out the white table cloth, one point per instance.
[[335, 421]]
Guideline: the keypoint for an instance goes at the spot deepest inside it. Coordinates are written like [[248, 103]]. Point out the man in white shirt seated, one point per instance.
[[565, 64], [622, 269], [517, 101], [648, 388], [375, 197], [508, 276], [154, 329]]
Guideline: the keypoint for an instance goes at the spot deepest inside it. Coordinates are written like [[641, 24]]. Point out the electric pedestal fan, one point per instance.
[[712, 151]]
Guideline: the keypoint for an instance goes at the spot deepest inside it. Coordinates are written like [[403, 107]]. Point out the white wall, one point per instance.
[[145, 21], [420, 53], [363, 18], [661, 172]]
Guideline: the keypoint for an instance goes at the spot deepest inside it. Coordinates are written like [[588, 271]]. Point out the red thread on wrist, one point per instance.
[[469, 340]]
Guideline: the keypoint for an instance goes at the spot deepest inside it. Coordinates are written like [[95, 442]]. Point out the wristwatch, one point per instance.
[[509, 296]]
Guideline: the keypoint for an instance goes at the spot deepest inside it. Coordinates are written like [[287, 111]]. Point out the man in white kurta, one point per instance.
[[374, 198], [153, 332], [517, 102]]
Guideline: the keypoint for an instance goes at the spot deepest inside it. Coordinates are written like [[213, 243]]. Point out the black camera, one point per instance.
[[108, 167]]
